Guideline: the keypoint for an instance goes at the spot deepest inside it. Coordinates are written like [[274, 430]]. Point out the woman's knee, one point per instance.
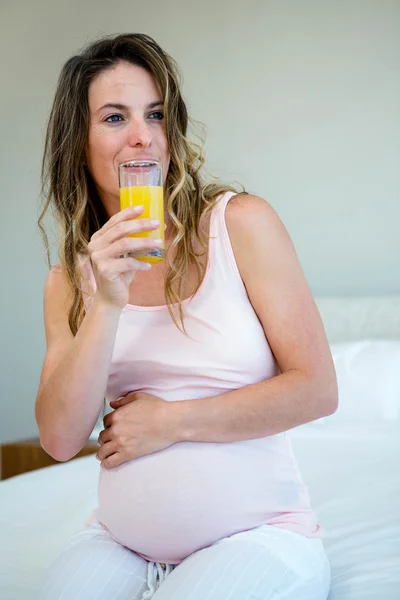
[[303, 556], [289, 565], [92, 565], [252, 566]]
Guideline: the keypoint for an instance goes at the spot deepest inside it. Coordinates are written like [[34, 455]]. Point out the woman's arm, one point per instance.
[[75, 370], [306, 389]]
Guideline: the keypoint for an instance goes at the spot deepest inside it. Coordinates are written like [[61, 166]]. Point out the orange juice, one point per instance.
[[152, 198]]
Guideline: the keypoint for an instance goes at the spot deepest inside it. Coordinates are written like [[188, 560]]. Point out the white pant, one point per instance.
[[265, 563]]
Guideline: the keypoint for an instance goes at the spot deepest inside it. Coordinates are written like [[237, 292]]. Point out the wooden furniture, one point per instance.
[[28, 455]]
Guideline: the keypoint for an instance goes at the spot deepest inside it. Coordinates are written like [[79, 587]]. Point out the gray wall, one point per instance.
[[300, 99]]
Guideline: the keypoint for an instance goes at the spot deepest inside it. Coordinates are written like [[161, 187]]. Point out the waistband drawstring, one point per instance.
[[156, 574]]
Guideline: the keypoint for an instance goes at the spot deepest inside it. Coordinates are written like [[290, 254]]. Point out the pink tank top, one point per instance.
[[170, 504]]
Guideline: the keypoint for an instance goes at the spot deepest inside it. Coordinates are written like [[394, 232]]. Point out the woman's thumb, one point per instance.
[[122, 401]]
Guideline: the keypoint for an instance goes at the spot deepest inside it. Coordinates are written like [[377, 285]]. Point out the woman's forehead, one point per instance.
[[123, 84]]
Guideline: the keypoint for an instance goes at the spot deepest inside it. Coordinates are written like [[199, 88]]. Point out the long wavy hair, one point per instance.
[[70, 191]]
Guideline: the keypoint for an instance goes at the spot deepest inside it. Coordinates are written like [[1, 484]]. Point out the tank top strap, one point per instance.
[[221, 255]]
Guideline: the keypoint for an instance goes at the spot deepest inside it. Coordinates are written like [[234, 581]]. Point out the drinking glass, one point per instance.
[[141, 184]]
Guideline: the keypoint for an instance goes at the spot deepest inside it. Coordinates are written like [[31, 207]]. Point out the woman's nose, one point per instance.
[[139, 134]]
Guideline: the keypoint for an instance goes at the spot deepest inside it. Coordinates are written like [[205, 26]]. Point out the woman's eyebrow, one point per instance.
[[125, 107]]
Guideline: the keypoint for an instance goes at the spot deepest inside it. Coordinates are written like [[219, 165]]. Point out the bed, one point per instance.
[[350, 462]]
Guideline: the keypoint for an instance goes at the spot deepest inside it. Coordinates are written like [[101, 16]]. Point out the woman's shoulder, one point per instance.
[[248, 215], [259, 240], [57, 297], [248, 206], [55, 276], [56, 284]]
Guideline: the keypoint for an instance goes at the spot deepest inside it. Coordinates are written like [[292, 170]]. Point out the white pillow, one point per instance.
[[368, 374]]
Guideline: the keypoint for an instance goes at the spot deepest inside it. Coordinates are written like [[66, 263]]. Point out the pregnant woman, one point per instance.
[[206, 359]]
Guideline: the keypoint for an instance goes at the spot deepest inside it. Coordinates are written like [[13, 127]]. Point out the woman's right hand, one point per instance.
[[113, 272]]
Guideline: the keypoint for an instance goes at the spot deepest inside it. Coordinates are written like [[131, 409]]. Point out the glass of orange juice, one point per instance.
[[141, 184]]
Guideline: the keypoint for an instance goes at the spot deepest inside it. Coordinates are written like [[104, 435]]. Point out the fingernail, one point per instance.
[[155, 222], [140, 207], [158, 242]]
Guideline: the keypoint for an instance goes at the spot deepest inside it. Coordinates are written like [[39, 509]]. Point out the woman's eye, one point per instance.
[[158, 116], [113, 119]]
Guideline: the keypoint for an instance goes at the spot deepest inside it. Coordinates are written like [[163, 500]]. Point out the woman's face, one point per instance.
[[126, 122]]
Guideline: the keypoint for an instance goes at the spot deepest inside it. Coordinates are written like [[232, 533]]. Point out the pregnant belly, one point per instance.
[[167, 505]]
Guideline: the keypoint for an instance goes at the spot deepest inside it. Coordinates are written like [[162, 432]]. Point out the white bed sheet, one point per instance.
[[38, 513], [353, 476], [353, 480]]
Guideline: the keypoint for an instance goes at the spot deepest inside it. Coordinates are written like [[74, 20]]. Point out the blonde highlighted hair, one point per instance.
[[70, 191]]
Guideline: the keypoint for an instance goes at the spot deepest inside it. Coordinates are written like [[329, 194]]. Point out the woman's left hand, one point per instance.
[[138, 426]]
